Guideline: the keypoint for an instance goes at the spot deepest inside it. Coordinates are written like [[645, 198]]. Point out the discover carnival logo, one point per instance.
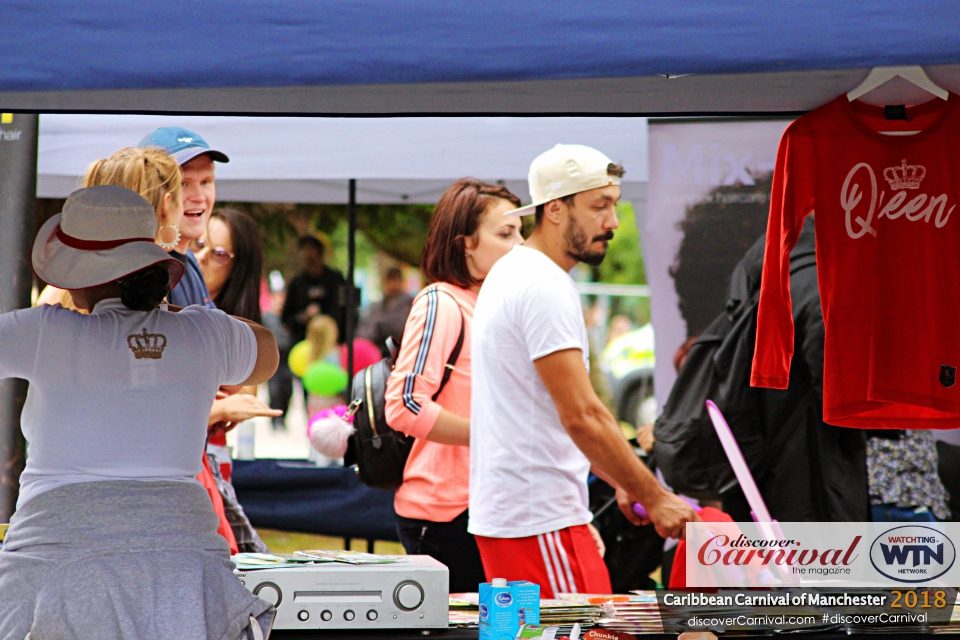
[[723, 550], [912, 554]]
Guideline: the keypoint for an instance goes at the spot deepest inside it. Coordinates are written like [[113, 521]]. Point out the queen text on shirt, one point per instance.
[[903, 180]]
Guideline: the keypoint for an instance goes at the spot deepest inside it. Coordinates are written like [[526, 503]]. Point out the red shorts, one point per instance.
[[565, 561]]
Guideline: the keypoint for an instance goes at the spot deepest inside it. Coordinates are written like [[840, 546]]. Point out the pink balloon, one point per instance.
[[365, 353]]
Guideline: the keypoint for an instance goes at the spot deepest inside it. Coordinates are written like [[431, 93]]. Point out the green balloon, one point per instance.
[[325, 379]]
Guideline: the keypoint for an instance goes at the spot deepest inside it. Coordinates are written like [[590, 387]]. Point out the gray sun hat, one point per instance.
[[103, 234]]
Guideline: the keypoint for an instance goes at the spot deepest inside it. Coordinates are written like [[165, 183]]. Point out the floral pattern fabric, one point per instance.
[[903, 472]]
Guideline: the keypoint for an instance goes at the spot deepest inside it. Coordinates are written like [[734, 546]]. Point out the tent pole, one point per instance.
[[18, 212], [351, 302]]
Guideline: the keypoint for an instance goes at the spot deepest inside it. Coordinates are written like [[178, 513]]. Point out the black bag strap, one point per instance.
[[455, 354], [803, 262]]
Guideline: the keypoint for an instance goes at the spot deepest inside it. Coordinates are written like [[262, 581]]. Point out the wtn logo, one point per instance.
[[898, 554], [912, 553]]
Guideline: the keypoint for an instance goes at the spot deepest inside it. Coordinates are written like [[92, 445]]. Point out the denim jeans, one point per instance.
[[893, 513]]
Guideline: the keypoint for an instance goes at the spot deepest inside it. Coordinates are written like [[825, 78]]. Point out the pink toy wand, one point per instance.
[[758, 508]]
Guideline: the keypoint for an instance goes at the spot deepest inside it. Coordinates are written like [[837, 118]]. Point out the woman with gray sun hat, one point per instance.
[[113, 537]]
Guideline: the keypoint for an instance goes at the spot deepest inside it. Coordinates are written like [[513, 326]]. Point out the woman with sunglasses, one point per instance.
[[230, 254]]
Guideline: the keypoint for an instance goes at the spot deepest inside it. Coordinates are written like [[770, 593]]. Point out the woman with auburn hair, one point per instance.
[[468, 234]]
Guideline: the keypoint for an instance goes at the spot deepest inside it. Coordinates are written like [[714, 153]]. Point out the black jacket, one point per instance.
[[324, 291], [812, 471]]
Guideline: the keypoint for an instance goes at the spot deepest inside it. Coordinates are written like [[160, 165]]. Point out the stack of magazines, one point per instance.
[[465, 610], [953, 625], [349, 557], [634, 613], [254, 561], [560, 613], [563, 613]]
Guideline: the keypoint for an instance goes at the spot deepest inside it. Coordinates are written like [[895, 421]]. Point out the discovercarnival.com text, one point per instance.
[[698, 622]]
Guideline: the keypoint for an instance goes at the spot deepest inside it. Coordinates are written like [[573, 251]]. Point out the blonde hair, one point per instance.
[[150, 172], [322, 334]]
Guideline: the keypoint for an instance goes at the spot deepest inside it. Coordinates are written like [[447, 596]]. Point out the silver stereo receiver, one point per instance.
[[410, 594]]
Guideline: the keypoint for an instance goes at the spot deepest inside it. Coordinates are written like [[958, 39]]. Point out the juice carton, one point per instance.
[[505, 606]]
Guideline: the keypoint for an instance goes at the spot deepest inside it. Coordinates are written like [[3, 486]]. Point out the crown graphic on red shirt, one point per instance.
[[906, 176]]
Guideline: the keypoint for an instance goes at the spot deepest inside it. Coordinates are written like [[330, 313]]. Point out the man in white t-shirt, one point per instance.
[[537, 427]]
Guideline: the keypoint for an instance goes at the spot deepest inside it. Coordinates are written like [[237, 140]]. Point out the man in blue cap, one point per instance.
[[196, 159]]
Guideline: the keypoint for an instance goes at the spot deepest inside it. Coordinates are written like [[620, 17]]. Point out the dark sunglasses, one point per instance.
[[220, 255]]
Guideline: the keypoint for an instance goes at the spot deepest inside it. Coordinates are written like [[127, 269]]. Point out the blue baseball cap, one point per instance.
[[184, 145]]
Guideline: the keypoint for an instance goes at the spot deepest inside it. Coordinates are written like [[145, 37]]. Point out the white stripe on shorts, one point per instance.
[[566, 563], [557, 567], [547, 564]]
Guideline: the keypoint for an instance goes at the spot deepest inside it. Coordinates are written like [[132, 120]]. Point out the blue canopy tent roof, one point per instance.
[[419, 56]]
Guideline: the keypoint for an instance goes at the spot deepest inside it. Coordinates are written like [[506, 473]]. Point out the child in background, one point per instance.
[[323, 335]]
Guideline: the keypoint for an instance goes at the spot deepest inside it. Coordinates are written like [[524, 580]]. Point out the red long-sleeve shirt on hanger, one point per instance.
[[888, 259]]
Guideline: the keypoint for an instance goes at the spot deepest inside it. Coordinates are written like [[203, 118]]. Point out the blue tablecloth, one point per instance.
[[295, 495]]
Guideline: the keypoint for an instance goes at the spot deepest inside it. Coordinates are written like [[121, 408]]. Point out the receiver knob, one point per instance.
[[408, 595], [269, 592], [325, 615], [349, 615], [372, 615]]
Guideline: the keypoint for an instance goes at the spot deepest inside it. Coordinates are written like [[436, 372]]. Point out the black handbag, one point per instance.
[[379, 452]]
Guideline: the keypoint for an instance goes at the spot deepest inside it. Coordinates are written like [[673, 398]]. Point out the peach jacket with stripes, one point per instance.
[[436, 479]]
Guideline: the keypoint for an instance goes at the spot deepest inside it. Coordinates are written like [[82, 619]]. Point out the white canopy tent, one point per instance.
[[321, 160], [311, 159]]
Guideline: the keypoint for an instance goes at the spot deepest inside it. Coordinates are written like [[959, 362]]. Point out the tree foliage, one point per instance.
[[624, 261], [396, 230]]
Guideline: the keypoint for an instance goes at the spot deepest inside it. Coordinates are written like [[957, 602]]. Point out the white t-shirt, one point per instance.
[[97, 411], [527, 477]]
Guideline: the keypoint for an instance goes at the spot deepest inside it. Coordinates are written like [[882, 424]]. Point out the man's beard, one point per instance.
[[578, 246]]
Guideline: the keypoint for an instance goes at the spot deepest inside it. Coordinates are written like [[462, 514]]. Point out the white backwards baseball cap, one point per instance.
[[563, 171], [103, 234]]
